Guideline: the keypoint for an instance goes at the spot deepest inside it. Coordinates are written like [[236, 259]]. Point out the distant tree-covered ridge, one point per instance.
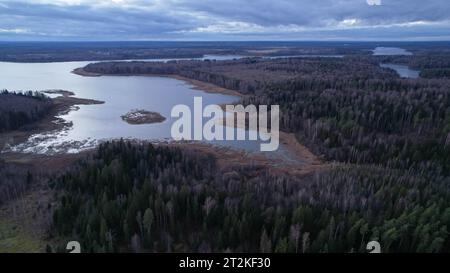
[[21, 108], [129, 197], [97, 51]]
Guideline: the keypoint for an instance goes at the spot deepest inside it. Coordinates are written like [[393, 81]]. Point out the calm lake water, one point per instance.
[[403, 70], [93, 123], [390, 51]]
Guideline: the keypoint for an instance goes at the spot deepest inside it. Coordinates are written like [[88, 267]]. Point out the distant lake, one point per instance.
[[305, 56], [93, 123], [403, 70], [390, 51]]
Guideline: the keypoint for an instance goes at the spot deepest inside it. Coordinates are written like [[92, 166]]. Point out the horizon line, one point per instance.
[[227, 41]]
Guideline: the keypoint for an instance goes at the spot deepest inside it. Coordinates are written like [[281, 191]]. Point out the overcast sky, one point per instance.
[[225, 20]]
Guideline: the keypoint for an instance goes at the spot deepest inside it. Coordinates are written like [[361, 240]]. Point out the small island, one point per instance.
[[137, 117]]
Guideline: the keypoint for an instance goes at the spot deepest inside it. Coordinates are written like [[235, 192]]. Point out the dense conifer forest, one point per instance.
[[255, 75], [19, 109], [15, 180], [129, 197]]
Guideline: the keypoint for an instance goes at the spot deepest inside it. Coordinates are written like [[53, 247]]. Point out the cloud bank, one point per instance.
[[224, 20]]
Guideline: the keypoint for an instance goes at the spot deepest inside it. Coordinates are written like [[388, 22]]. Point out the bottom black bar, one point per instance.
[[226, 262]]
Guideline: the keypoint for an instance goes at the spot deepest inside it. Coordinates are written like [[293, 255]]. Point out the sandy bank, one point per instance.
[[229, 158], [207, 87]]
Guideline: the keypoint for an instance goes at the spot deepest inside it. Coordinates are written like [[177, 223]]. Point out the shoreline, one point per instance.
[[62, 105], [81, 72], [206, 87], [227, 158]]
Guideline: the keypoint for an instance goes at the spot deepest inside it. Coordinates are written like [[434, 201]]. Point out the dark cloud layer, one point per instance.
[[224, 20]]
